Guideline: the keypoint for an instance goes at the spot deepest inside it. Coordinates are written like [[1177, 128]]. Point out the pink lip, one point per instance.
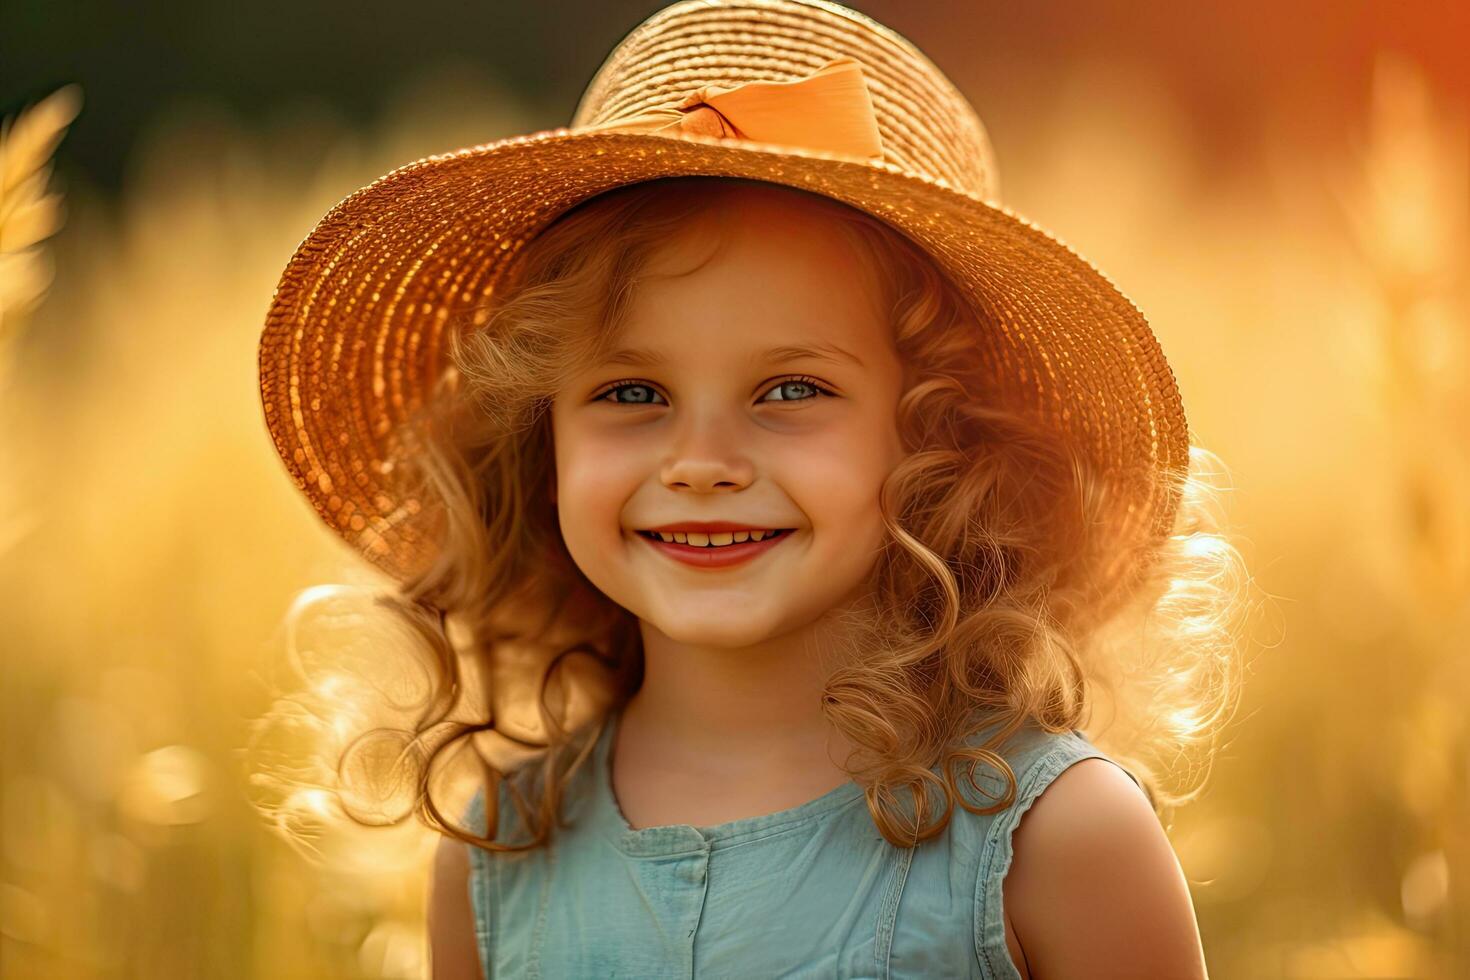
[[723, 557]]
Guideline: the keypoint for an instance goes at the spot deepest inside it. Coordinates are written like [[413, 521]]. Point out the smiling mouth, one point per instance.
[[705, 540]]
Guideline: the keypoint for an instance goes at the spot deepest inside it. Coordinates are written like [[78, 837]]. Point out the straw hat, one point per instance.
[[802, 93]]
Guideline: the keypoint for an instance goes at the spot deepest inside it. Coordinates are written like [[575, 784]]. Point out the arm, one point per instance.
[[1094, 888], [451, 923]]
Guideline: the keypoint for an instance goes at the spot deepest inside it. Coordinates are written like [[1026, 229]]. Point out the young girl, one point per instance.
[[777, 508]]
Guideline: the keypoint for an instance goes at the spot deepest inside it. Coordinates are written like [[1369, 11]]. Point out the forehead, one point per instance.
[[765, 272]]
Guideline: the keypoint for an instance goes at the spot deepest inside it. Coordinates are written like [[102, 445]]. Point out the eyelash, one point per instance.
[[630, 383]]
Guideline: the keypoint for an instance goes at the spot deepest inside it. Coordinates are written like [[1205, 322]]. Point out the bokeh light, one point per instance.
[[1289, 204]]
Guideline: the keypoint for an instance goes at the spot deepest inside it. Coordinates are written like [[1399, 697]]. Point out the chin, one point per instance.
[[732, 632]]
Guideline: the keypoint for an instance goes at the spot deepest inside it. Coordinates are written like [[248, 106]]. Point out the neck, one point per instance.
[[761, 702]]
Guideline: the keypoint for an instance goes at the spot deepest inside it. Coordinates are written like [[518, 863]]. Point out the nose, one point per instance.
[[706, 456]]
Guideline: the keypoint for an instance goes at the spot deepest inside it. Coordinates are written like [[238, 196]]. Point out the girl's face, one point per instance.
[[716, 417]]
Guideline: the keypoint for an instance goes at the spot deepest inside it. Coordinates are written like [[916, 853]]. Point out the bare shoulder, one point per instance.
[[451, 921], [1094, 888]]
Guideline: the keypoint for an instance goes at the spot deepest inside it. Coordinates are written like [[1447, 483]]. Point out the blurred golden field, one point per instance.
[[1313, 298]]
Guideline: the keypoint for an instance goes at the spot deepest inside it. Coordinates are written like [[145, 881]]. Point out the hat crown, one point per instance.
[[927, 127]]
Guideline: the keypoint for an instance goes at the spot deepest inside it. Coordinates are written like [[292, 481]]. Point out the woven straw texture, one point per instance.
[[355, 334]]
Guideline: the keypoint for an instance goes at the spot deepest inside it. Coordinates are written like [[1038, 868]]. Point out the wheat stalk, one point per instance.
[[1412, 226], [28, 214]]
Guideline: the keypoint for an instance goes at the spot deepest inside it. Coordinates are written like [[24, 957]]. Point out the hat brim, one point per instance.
[[354, 337]]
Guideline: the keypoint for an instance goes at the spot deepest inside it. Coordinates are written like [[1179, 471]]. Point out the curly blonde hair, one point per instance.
[[988, 602]]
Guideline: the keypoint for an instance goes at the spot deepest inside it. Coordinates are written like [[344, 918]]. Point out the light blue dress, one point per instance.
[[812, 891]]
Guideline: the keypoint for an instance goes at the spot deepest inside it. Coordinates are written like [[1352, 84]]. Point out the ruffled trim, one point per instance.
[[996, 855]]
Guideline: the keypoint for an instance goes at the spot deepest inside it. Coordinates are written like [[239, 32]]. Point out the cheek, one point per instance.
[[839, 480], [594, 479]]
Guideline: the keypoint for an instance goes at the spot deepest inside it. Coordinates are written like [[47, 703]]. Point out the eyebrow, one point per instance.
[[642, 357]]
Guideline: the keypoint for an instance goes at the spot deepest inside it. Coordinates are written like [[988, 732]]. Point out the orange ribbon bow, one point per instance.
[[829, 110]]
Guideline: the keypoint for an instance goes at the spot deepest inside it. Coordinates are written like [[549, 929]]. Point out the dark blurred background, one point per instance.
[[1284, 189], [1227, 64]]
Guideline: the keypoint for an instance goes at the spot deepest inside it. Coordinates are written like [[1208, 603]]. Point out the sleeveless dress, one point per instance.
[[811, 891]]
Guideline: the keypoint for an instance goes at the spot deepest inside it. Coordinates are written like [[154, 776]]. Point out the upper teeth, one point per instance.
[[712, 540]]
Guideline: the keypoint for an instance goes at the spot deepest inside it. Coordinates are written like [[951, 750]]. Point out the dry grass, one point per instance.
[[28, 213], [28, 216], [1322, 352]]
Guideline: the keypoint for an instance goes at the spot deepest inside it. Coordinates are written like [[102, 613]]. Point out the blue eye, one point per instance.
[[798, 384], [644, 394]]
